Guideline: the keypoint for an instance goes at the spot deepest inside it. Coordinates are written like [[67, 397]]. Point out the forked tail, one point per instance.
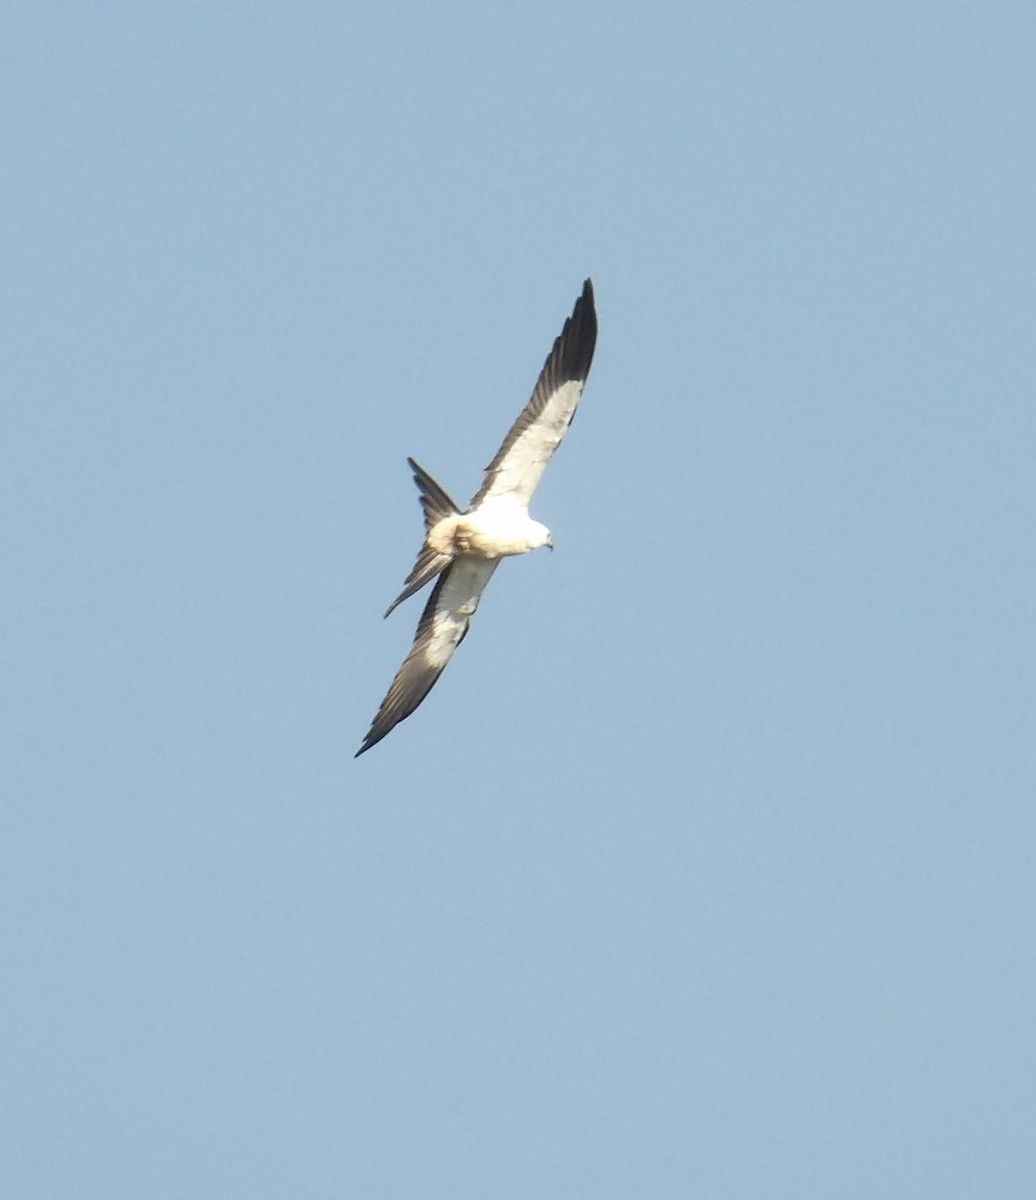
[[435, 504]]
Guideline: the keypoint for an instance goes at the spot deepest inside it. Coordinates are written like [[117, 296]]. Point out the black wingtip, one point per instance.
[[368, 743], [573, 351]]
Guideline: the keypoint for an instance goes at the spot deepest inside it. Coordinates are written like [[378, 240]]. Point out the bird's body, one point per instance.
[[464, 548], [496, 529]]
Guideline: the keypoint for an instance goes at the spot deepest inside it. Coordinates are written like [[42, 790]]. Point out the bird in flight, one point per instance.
[[464, 548]]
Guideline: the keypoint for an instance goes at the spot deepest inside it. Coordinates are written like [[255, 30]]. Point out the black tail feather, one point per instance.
[[435, 504]]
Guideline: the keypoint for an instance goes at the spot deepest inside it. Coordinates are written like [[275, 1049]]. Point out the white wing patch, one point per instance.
[[458, 600], [525, 460]]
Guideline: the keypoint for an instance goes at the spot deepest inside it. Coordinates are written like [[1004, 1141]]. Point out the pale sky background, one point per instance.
[[709, 867]]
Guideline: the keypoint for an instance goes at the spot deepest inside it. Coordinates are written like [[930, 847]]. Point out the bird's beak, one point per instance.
[[550, 543]]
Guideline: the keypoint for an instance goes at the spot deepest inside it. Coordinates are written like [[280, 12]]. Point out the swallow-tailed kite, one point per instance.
[[465, 548]]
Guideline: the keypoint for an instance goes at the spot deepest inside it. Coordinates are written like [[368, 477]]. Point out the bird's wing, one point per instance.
[[542, 423], [440, 631]]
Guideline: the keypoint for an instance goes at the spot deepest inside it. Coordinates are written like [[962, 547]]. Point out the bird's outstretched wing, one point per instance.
[[440, 631], [543, 422]]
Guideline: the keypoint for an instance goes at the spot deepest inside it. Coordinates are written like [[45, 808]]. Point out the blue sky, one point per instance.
[[707, 868]]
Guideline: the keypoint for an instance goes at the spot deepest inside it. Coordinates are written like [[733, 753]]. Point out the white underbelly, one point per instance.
[[474, 533]]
